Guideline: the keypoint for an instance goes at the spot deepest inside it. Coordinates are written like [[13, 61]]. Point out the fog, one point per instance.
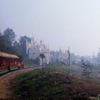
[[59, 23]]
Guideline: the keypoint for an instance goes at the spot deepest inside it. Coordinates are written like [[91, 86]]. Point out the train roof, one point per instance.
[[6, 55]]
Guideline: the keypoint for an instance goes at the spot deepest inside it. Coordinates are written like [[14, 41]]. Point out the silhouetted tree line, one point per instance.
[[9, 44], [87, 68], [6, 42]]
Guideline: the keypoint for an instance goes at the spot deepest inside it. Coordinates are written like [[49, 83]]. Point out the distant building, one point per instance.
[[58, 56], [33, 51]]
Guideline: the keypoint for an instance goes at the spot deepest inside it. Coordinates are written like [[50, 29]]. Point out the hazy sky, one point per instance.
[[59, 23]]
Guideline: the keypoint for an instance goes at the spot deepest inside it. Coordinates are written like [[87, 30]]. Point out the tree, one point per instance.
[[12, 50], [1, 38], [73, 61], [9, 36], [72, 58], [42, 56], [16, 44], [7, 48], [37, 61], [22, 44], [98, 57], [87, 68]]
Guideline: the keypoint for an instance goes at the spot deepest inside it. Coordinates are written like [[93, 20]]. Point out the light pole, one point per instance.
[[68, 60]]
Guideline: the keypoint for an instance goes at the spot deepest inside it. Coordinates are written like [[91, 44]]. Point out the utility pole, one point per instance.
[[68, 60]]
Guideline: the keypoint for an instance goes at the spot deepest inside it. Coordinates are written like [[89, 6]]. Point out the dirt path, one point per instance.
[[4, 80]]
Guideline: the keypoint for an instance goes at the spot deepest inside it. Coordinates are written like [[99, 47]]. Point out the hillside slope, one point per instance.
[[50, 84]]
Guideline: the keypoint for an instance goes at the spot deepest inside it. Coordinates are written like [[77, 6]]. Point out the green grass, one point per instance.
[[61, 68], [28, 63], [52, 83]]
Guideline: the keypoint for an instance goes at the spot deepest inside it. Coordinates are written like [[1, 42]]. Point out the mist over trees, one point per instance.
[[98, 57], [9, 44], [87, 68]]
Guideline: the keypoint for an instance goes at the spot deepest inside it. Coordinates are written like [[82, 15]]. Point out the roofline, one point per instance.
[[6, 55]]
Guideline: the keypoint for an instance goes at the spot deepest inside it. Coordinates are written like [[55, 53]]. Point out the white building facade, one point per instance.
[[33, 50]]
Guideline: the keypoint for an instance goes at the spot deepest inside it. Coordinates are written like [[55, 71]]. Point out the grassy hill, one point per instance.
[[28, 63], [52, 83]]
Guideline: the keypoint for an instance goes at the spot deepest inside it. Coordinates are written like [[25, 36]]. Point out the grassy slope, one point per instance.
[[52, 82], [28, 63]]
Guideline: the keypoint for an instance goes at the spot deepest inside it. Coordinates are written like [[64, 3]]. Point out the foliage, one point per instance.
[[1, 38], [18, 48], [50, 83], [28, 63], [98, 57], [16, 44], [12, 50], [8, 49], [63, 63], [87, 68], [5, 42], [72, 58], [9, 36], [22, 44], [37, 61], [42, 56], [73, 61]]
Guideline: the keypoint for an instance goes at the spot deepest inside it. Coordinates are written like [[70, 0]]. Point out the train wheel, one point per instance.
[[18, 67]]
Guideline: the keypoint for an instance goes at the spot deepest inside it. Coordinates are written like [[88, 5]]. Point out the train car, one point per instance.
[[9, 61], [20, 64]]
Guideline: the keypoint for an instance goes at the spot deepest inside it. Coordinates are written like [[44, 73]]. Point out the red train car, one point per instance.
[[9, 61]]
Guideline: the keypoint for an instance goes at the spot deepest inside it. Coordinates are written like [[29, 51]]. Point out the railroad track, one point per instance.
[[12, 71], [5, 92], [7, 71]]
